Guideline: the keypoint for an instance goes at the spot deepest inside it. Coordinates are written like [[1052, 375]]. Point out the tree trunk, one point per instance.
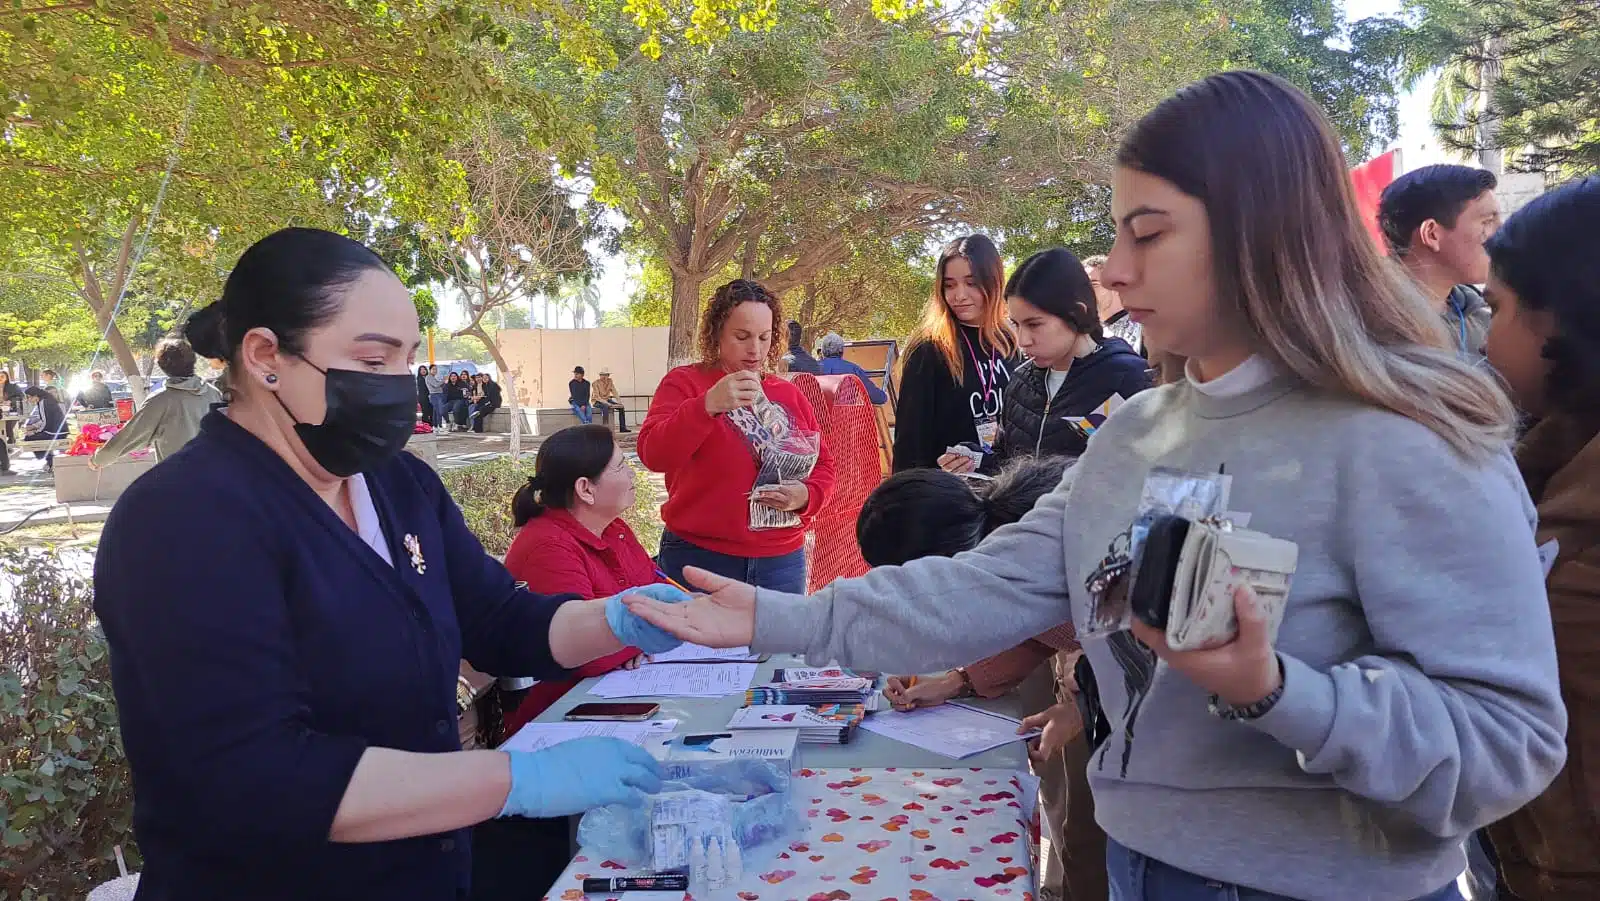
[[685, 321], [807, 317], [510, 393], [1490, 154], [103, 303]]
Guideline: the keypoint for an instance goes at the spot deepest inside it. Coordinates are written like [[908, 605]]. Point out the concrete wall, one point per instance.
[[1516, 189], [542, 360]]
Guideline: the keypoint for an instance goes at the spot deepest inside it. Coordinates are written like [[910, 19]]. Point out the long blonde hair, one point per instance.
[[1290, 254], [939, 326]]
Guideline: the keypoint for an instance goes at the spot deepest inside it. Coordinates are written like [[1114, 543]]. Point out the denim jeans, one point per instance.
[[606, 407], [785, 573], [1135, 877], [436, 407], [480, 412], [584, 414]]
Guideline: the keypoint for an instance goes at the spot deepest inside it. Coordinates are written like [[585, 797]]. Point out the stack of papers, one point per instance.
[[677, 680], [949, 729], [829, 724], [820, 674], [693, 653], [811, 687], [538, 736]]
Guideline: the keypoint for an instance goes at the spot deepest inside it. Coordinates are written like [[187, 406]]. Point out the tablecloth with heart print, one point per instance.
[[886, 835]]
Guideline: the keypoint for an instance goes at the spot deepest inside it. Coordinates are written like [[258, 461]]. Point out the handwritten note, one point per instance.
[[677, 680], [538, 736], [949, 729], [694, 653]]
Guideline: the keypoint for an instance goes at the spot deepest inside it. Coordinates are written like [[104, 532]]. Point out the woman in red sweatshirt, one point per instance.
[[572, 539], [708, 426]]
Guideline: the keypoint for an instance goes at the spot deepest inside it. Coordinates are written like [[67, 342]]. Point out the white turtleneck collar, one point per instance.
[[1248, 376]]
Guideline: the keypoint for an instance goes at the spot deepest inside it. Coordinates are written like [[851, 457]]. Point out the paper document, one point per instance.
[[538, 736], [949, 729], [677, 680], [693, 653]]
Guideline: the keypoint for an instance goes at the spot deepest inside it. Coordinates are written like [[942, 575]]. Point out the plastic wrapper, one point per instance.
[[1167, 492], [784, 454], [713, 824]]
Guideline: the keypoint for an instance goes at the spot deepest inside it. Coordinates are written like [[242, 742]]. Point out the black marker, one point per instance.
[[670, 882]]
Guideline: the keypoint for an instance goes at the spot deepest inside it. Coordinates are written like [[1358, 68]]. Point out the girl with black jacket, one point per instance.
[[958, 362], [1075, 374]]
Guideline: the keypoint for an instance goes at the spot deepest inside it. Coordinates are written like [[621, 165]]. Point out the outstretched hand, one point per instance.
[[724, 617]]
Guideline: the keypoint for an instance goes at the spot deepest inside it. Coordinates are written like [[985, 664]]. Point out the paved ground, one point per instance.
[[29, 493]]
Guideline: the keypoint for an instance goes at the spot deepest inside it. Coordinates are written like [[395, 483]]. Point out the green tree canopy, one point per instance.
[[1516, 76]]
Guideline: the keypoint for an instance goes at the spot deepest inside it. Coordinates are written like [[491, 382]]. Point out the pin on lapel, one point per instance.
[[414, 548]]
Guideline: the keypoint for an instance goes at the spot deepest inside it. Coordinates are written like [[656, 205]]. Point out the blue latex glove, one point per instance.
[[578, 775], [635, 632]]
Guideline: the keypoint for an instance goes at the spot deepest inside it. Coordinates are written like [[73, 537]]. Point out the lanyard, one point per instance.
[[1461, 323], [986, 380]]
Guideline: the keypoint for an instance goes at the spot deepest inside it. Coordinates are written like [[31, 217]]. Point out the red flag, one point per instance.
[[1369, 180]]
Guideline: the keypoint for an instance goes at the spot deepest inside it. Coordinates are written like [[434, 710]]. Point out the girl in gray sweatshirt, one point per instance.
[[1411, 694]]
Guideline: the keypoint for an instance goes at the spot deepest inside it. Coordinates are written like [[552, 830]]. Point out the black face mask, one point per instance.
[[370, 418]]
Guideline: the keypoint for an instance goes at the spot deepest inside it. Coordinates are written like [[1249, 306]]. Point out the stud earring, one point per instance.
[[272, 378]]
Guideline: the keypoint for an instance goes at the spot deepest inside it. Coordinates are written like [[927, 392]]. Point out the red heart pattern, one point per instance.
[[988, 808]]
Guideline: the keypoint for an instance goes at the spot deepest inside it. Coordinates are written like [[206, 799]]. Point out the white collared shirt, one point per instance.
[[1242, 379], [368, 526]]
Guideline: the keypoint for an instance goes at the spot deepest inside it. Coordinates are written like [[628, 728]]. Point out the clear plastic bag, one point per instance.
[[1167, 492], [784, 455], [712, 824]]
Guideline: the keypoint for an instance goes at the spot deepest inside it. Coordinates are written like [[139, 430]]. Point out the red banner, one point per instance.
[[1369, 179]]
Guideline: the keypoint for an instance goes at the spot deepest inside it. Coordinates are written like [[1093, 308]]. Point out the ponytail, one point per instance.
[[526, 505], [577, 452], [1011, 494]]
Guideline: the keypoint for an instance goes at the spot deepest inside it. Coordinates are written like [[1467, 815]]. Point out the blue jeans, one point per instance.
[[584, 413], [436, 407], [785, 573], [1135, 877]]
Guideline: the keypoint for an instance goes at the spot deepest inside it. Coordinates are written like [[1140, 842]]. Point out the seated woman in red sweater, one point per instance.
[[704, 429], [573, 540]]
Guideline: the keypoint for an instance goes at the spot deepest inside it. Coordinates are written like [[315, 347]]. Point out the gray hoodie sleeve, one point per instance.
[[139, 433], [936, 612], [1455, 718]]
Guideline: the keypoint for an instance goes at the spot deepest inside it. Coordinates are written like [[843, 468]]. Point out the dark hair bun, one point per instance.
[[204, 332]]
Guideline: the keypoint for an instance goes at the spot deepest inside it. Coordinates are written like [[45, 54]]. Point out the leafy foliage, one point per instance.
[[788, 148], [484, 492], [65, 793], [1518, 76], [1349, 70]]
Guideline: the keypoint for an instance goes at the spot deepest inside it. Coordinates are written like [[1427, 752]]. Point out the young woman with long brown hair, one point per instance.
[[959, 360], [1410, 695]]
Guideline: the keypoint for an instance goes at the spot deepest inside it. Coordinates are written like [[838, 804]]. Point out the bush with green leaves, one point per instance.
[[484, 492], [66, 797]]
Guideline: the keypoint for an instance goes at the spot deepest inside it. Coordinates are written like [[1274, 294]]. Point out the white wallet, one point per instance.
[[1214, 561]]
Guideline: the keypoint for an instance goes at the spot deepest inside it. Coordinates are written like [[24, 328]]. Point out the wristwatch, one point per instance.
[[967, 691], [1220, 708]]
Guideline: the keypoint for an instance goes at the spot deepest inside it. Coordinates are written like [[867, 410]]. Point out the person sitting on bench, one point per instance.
[[578, 396], [48, 422], [488, 401], [606, 400]]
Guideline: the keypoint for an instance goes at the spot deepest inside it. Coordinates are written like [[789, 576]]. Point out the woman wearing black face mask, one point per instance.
[[286, 675]]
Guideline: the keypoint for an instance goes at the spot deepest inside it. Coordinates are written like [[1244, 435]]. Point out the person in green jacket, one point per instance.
[[170, 418]]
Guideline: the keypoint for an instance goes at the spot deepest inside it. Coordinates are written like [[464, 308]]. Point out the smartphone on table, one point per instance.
[[626, 712]]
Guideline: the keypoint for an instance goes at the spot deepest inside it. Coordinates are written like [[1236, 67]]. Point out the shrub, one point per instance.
[[66, 798], [484, 492]]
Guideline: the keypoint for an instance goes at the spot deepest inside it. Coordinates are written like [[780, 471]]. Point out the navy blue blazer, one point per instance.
[[259, 646]]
